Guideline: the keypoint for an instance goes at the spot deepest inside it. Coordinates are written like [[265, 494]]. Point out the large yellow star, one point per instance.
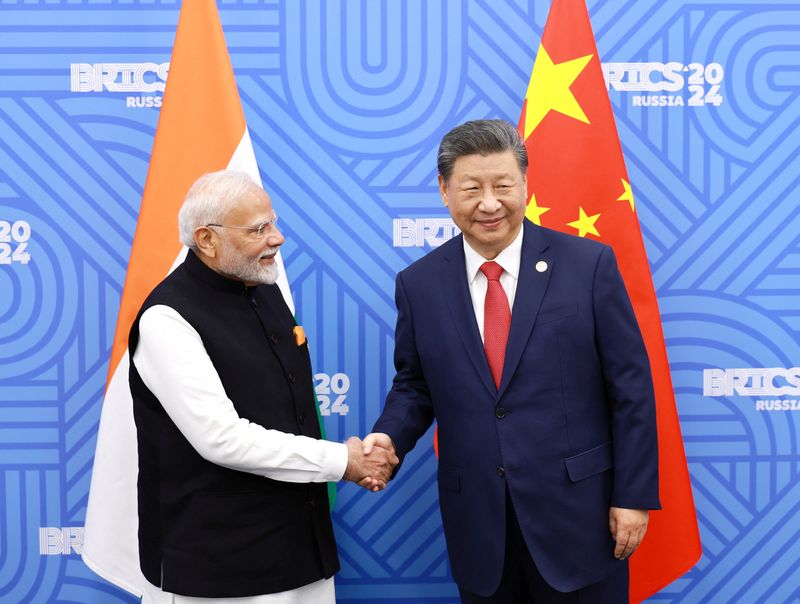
[[627, 194], [549, 90], [534, 212], [585, 224]]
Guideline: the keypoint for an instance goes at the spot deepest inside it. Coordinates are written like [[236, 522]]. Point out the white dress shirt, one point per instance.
[[175, 367], [509, 259]]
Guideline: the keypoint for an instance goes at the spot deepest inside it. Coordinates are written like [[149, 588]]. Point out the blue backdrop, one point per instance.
[[346, 103]]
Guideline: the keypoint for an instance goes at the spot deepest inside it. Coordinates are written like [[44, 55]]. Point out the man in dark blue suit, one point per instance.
[[522, 344]]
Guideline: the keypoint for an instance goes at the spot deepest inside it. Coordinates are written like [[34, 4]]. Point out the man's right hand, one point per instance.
[[370, 469], [378, 439]]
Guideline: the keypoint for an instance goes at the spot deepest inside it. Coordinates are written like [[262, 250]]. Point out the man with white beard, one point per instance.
[[232, 471]]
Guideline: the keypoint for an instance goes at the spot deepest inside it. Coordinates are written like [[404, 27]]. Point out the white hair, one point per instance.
[[209, 199]]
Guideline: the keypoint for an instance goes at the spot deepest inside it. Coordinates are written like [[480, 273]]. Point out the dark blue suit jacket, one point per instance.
[[570, 432]]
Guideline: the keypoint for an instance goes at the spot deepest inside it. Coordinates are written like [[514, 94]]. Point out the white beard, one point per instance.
[[233, 264]]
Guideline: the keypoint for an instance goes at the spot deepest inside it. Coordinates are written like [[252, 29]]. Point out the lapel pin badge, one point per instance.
[[299, 335], [541, 266]]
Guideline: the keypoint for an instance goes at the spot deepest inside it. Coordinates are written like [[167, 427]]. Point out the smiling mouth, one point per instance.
[[490, 223]]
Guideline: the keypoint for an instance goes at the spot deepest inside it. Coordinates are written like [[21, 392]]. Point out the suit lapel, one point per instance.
[[453, 280], [531, 286]]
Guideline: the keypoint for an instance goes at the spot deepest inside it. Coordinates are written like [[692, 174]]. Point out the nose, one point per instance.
[[489, 203], [275, 237]]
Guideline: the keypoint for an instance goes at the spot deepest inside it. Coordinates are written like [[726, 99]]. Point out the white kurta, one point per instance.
[[175, 367]]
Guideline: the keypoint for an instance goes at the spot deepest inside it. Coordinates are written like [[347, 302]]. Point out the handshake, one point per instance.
[[370, 462]]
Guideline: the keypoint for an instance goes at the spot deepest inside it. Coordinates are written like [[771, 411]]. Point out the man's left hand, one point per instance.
[[628, 528]]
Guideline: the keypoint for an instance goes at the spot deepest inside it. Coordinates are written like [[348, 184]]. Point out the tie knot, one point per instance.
[[492, 270]]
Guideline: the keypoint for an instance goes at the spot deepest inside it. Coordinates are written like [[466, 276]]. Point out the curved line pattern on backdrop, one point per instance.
[[46, 307], [316, 60]]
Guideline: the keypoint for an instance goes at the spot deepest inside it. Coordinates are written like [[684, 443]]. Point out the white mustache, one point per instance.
[[270, 253]]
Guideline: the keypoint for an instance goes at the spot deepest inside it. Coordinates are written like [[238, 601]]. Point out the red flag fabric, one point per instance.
[[578, 184]]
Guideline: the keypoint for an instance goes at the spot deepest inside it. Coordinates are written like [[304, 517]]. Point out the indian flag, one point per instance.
[[201, 129]]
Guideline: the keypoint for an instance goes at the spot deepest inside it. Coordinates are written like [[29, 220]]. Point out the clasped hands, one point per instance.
[[370, 462]]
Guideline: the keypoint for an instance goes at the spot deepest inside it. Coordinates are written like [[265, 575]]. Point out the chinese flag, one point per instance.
[[578, 184]]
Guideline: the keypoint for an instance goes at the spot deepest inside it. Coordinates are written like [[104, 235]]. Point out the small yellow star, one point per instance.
[[627, 194], [549, 90], [534, 212], [585, 224]]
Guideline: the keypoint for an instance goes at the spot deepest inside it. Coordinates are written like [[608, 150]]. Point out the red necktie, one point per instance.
[[496, 320]]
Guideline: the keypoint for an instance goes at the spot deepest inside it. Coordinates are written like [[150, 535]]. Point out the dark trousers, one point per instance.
[[522, 584]]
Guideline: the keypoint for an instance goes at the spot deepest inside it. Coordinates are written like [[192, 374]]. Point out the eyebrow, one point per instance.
[[469, 177], [260, 222]]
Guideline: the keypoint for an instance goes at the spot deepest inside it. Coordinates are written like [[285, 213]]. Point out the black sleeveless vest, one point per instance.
[[205, 530]]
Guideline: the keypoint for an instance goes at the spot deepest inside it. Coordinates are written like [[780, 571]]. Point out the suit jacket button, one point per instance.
[[301, 418], [500, 413], [254, 302], [273, 338], [501, 471], [290, 377]]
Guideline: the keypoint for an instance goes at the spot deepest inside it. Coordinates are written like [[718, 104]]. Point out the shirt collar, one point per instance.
[[509, 258]]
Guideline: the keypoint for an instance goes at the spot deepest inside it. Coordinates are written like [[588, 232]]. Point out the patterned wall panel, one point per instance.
[[346, 102]]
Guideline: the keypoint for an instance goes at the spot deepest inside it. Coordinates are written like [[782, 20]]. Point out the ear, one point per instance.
[[443, 189], [206, 241]]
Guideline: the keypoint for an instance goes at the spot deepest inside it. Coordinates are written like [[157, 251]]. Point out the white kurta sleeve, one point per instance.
[[174, 365]]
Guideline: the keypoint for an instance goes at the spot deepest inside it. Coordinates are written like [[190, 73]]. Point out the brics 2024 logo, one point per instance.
[[331, 391], [664, 83], [14, 238], [55, 541], [421, 232], [761, 382], [146, 78]]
